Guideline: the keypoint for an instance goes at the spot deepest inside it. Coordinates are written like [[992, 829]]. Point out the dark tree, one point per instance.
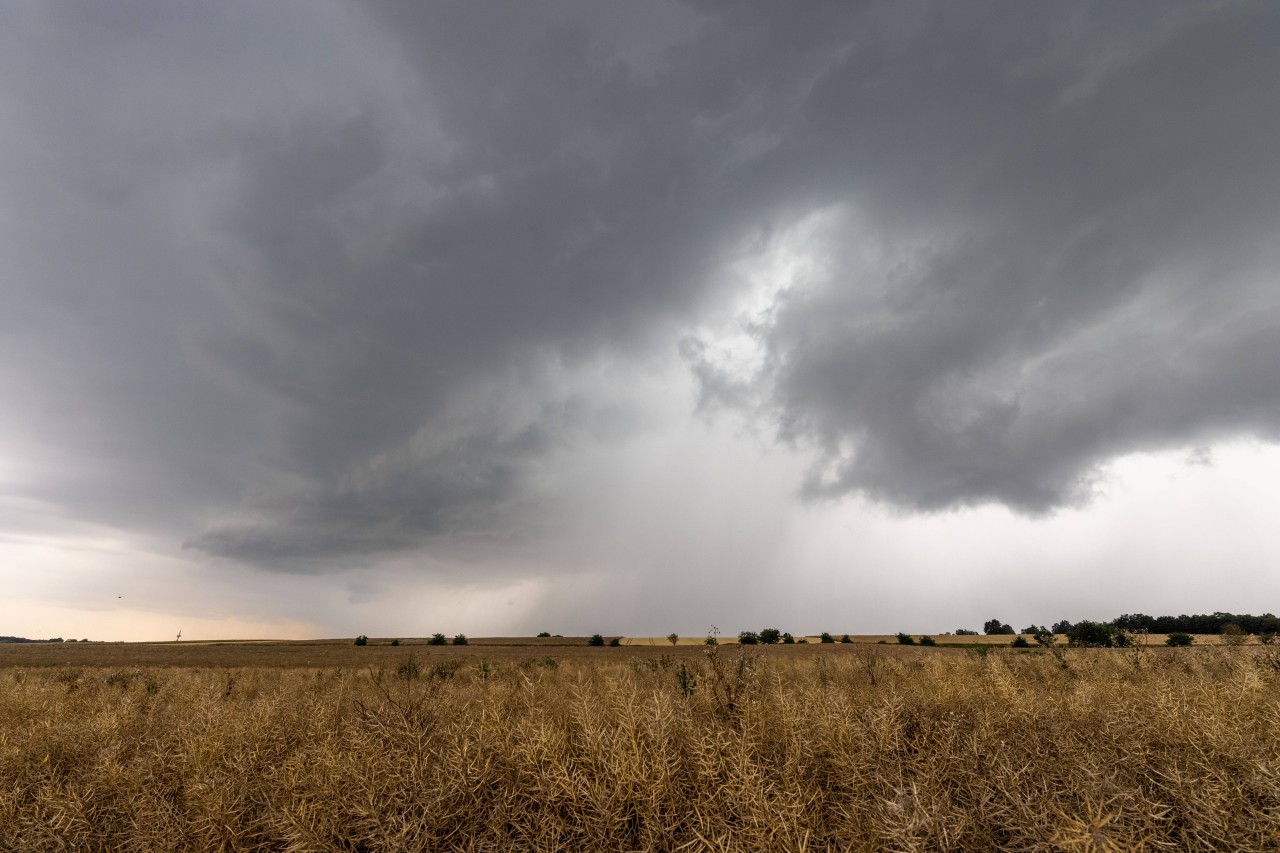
[[596, 640], [769, 636], [995, 626], [748, 638]]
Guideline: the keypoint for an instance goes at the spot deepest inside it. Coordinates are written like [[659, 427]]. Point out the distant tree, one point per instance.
[[995, 626], [846, 639], [1044, 637], [769, 636], [362, 640], [1266, 638], [965, 632], [596, 640], [437, 640], [1020, 642], [395, 642], [787, 639], [544, 633], [905, 639], [928, 641], [460, 640], [1061, 627], [824, 637], [748, 638], [711, 640], [1179, 638], [673, 638], [615, 641]]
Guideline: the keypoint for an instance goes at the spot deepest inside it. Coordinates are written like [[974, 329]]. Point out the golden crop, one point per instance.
[[832, 748]]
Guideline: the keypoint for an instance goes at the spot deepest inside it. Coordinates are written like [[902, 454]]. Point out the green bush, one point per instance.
[[1179, 638], [965, 632], [362, 640], [905, 639], [460, 640], [673, 638], [616, 641], [544, 633], [788, 640], [769, 636], [395, 642], [824, 637], [748, 638], [1089, 634], [596, 640], [437, 640], [846, 639], [927, 641], [1020, 642]]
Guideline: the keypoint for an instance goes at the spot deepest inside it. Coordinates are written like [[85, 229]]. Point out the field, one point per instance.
[[542, 745]]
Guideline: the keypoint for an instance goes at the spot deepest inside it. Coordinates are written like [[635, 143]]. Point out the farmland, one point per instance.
[[553, 745]]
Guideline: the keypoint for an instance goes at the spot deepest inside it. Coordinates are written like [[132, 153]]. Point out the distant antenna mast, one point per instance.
[[179, 637]]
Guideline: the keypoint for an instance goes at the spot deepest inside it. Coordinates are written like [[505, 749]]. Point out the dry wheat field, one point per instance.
[[729, 748]]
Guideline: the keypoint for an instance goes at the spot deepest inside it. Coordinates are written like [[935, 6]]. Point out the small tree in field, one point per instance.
[[673, 638], [362, 640], [905, 639], [437, 640], [596, 640], [460, 640], [769, 636], [824, 637], [1179, 638], [748, 638]]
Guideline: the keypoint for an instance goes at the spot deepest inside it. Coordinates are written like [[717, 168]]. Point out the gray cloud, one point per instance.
[[302, 284]]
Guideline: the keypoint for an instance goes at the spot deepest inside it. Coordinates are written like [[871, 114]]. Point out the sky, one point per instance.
[[321, 318]]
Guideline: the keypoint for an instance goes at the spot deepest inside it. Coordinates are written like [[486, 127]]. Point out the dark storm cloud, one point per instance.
[[319, 280]]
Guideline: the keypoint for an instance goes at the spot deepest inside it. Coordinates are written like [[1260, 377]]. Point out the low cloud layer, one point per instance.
[[302, 284]]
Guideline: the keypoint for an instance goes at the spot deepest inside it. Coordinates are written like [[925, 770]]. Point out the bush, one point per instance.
[[965, 632], [711, 640], [460, 640], [788, 640], [1020, 642], [824, 637], [748, 638], [437, 640], [1045, 638], [995, 626], [1234, 635], [1266, 638], [544, 633], [1179, 638], [1061, 627], [596, 640], [769, 636], [846, 639], [616, 641], [1091, 635], [395, 642], [362, 640], [927, 641], [905, 639], [673, 638]]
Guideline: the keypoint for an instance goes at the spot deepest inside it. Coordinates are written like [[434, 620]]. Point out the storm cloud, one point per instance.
[[301, 284]]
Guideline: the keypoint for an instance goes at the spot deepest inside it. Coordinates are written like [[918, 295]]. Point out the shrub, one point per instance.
[[1234, 635], [395, 642], [824, 637], [1179, 638], [927, 641], [460, 640], [1061, 627], [596, 640], [1020, 642], [846, 639], [616, 641], [711, 640], [1266, 638], [1045, 638], [673, 638], [748, 638], [788, 640], [905, 639], [544, 633], [1091, 635], [362, 640], [769, 636], [437, 640], [995, 626], [965, 632]]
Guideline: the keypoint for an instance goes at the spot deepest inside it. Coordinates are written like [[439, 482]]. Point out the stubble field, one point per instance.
[[324, 746]]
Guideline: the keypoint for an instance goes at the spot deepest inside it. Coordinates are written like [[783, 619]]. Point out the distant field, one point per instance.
[[379, 652], [539, 746]]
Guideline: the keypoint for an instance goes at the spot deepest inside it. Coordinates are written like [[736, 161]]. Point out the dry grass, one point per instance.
[[863, 748]]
